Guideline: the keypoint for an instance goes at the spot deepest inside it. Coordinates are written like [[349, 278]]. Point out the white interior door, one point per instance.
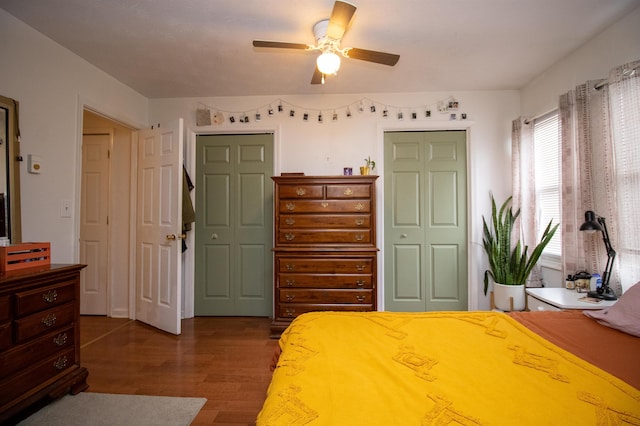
[[159, 227], [94, 222]]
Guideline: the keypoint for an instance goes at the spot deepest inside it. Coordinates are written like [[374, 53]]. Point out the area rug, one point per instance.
[[98, 409]]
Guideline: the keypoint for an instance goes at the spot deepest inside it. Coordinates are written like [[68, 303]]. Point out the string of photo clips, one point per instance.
[[207, 116]]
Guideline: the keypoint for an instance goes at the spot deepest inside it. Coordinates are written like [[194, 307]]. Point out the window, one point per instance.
[[546, 142]]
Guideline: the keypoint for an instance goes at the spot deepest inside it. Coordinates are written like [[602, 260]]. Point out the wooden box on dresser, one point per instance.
[[325, 252], [39, 337]]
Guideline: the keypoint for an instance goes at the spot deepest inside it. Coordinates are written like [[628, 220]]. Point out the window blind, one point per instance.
[[546, 142]]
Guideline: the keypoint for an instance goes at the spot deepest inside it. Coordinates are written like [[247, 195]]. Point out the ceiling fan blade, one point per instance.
[[373, 56], [280, 45], [340, 18], [317, 77]]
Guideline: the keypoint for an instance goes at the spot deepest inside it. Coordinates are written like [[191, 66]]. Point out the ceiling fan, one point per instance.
[[328, 33]]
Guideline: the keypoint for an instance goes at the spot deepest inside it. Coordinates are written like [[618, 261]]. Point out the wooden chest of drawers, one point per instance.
[[39, 337], [325, 250]]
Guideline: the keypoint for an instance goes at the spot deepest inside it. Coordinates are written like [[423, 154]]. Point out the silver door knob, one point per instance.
[[214, 236]]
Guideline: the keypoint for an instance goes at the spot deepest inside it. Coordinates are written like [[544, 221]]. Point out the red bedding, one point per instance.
[[613, 351]]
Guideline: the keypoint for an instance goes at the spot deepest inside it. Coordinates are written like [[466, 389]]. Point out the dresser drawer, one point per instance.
[[534, 304], [30, 353], [323, 236], [301, 191], [291, 311], [325, 206], [44, 321], [5, 309], [326, 265], [5, 336], [348, 191], [325, 221], [352, 281], [35, 376], [294, 295], [32, 301]]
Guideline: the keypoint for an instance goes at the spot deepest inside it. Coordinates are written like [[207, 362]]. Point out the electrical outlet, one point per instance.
[[65, 208]]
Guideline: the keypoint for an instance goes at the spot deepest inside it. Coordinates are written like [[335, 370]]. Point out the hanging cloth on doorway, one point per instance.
[[188, 212]]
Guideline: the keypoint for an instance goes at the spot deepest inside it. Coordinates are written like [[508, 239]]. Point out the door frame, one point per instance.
[[393, 126], [83, 104], [188, 292]]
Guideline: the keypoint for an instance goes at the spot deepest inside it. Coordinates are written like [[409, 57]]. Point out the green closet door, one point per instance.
[[425, 248], [234, 225]]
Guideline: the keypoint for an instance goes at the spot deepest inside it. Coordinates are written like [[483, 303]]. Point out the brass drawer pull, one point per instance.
[[290, 283], [60, 339], [301, 191], [359, 222], [290, 206], [360, 298], [359, 237], [289, 267], [49, 320], [61, 363], [348, 191], [290, 312], [289, 221], [324, 204], [359, 206], [289, 237], [361, 268], [50, 296], [360, 283], [290, 297]]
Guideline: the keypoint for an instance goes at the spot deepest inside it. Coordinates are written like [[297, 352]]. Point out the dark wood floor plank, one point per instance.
[[223, 359]]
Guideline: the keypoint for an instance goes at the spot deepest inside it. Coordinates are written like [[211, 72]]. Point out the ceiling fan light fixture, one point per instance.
[[328, 62]]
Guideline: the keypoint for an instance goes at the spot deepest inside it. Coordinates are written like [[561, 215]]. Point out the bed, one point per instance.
[[467, 368]]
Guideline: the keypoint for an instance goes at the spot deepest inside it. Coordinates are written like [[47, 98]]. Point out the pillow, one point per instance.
[[624, 315]]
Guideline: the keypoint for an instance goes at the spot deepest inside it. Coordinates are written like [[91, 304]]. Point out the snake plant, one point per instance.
[[506, 265]]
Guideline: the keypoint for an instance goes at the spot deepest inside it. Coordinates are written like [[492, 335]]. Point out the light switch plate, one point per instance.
[[65, 208]]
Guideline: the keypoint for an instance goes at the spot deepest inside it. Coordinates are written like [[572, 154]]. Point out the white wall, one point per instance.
[[52, 85], [324, 149], [616, 45]]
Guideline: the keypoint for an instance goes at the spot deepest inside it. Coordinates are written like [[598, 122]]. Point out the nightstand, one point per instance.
[[560, 299]]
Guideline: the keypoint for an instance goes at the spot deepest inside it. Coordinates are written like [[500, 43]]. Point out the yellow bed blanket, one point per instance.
[[462, 368]]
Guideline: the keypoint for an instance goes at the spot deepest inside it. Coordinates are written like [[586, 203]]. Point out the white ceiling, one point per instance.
[[201, 48]]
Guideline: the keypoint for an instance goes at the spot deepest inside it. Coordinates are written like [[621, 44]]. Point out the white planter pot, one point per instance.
[[502, 295]]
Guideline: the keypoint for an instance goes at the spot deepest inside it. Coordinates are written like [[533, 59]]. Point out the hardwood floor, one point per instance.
[[223, 359]]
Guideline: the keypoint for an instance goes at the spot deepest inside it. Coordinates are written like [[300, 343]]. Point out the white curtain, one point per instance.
[[588, 176], [572, 206], [624, 97], [600, 122], [524, 191]]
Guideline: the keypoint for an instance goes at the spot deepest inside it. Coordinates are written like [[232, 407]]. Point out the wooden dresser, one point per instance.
[[39, 337], [325, 252]]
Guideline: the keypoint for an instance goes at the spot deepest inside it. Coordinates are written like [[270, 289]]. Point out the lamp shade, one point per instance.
[[328, 63], [590, 223]]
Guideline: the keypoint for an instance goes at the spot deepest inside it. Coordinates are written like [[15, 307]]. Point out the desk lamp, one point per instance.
[[592, 224]]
